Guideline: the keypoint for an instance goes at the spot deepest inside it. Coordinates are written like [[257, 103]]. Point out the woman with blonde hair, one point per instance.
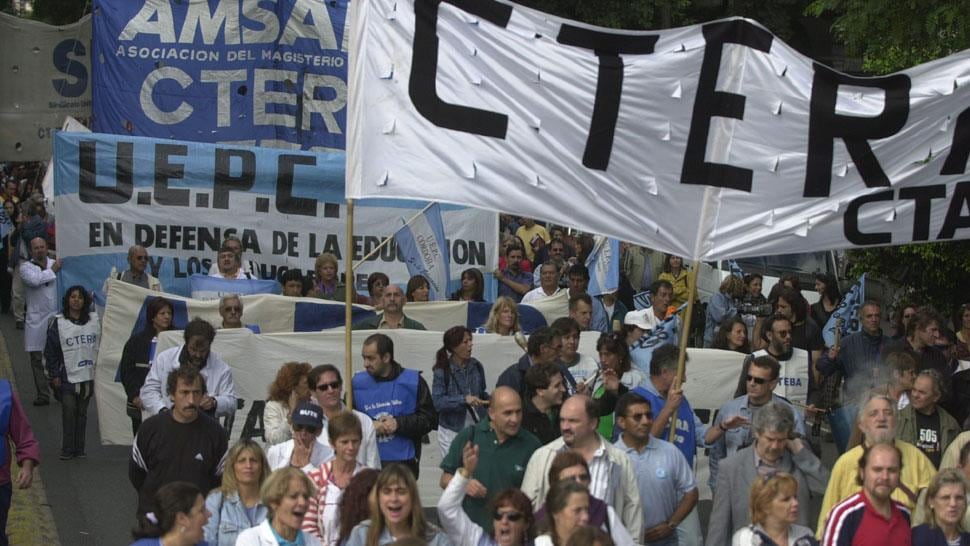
[[945, 507], [236, 505], [774, 511], [395, 512], [288, 389], [287, 494], [326, 284], [503, 319]]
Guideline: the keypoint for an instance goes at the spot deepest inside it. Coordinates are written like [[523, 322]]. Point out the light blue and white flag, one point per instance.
[[423, 247], [205, 287], [735, 269], [846, 315], [604, 266]]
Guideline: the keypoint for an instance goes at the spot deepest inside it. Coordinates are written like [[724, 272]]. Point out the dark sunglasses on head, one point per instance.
[[757, 380], [512, 516], [329, 386]]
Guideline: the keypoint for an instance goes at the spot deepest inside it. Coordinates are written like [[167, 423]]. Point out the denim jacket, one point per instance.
[[450, 401], [228, 518]]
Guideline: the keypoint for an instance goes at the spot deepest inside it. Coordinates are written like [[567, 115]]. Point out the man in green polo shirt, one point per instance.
[[504, 452]]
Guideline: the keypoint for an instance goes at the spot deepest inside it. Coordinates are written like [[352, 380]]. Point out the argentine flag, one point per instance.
[[604, 266], [425, 251], [847, 312]]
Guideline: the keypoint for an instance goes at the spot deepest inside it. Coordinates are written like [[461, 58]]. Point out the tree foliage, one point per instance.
[[890, 36], [59, 12]]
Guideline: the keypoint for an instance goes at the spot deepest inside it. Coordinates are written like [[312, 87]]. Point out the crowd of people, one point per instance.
[[563, 449]]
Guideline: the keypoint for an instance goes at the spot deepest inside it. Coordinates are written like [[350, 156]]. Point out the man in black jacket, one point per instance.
[[181, 444]]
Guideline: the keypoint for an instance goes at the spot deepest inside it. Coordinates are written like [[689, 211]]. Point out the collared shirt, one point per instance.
[[663, 477], [130, 278], [521, 277], [856, 522], [764, 467], [740, 437], [500, 465], [538, 293], [600, 470]]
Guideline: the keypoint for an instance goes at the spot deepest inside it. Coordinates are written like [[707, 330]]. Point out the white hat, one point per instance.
[[644, 319]]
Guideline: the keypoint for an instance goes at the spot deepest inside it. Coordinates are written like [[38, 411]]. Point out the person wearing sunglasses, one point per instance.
[[662, 473], [303, 451], [137, 272], [775, 449], [231, 311], [511, 511], [326, 389], [731, 430]]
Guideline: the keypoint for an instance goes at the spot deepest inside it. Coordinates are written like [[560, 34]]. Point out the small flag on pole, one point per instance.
[[604, 266], [425, 251], [846, 315]]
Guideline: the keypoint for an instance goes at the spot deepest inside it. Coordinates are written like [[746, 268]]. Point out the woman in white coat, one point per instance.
[[287, 493]]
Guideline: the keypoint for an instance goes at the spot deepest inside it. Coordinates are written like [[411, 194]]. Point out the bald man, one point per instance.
[[137, 273], [611, 474], [504, 451], [393, 316], [40, 290]]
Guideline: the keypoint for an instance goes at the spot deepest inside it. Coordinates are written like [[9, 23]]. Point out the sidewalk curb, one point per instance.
[[31, 520]]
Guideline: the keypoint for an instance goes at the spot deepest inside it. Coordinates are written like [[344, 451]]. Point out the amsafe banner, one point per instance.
[[248, 72], [710, 141]]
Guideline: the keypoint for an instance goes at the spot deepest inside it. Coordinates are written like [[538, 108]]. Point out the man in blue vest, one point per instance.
[[397, 399], [665, 400]]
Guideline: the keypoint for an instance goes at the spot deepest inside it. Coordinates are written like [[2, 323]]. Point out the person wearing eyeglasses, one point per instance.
[[794, 377], [137, 272], [326, 389], [231, 311], [511, 510], [731, 430], [662, 473], [303, 451], [775, 449]]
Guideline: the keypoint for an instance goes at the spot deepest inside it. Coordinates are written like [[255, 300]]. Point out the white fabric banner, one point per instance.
[[46, 76], [710, 141], [255, 359]]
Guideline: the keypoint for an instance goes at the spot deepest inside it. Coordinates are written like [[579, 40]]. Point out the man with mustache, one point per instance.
[[872, 516], [196, 353], [182, 444], [877, 421]]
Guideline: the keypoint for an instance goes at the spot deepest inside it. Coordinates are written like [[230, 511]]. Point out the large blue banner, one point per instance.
[[255, 72]]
